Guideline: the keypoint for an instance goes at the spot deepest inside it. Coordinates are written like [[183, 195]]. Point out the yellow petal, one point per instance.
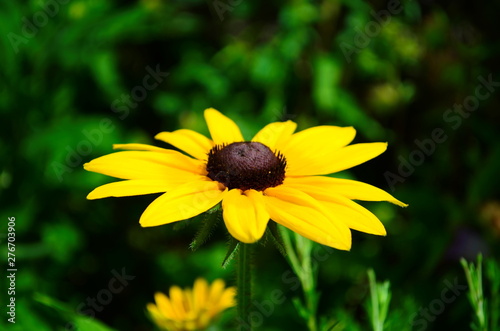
[[222, 129], [138, 187], [189, 303], [216, 290], [228, 298], [154, 312], [302, 214], [275, 134], [353, 155], [355, 216], [334, 137], [341, 159], [146, 165], [350, 189], [307, 151], [177, 300], [345, 210], [191, 142], [245, 215], [165, 306], [200, 292], [139, 147], [183, 202]]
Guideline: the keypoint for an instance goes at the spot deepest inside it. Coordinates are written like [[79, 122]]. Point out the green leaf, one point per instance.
[[80, 322], [273, 233], [205, 231], [301, 309], [380, 299], [479, 303], [232, 248]]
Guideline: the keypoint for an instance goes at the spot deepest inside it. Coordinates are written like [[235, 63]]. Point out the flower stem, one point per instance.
[[244, 284]]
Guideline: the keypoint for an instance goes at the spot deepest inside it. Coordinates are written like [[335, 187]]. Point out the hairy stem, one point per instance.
[[244, 284]]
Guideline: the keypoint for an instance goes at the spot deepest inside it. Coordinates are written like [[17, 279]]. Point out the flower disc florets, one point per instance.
[[246, 165]]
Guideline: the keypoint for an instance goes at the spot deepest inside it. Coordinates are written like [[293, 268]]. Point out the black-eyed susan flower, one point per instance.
[[277, 175], [191, 309]]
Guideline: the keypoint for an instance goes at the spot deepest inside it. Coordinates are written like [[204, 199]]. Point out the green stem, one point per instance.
[[299, 256], [244, 284], [375, 315], [311, 307]]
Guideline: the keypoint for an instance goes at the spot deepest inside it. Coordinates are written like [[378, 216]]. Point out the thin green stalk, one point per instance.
[[474, 276], [299, 256], [312, 306], [374, 302], [378, 304], [244, 284], [292, 256], [305, 246]]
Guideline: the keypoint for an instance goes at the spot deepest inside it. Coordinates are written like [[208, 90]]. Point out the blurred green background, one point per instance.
[[74, 80]]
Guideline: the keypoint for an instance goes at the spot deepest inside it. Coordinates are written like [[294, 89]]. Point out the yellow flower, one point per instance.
[[277, 175], [192, 309]]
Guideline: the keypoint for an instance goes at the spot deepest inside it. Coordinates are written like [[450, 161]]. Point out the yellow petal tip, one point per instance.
[[348, 245], [146, 224], [343, 247], [211, 110], [399, 203], [158, 135], [91, 196]]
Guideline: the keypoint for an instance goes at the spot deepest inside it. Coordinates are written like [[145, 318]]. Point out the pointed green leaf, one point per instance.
[[206, 228], [232, 248], [274, 235], [78, 321]]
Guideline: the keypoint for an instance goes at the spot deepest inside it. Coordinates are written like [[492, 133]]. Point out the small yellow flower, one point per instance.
[[277, 175], [192, 309]]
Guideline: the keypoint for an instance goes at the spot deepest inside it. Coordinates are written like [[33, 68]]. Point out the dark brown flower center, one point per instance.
[[246, 165]]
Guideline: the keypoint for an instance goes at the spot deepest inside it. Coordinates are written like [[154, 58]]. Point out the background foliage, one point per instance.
[[71, 86]]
